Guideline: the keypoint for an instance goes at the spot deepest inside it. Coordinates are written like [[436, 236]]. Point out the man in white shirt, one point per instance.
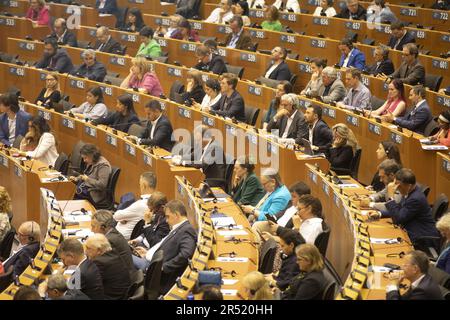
[[130, 216], [222, 14]]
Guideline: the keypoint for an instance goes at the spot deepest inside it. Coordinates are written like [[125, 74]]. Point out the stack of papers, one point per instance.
[[220, 220], [384, 240], [77, 233]]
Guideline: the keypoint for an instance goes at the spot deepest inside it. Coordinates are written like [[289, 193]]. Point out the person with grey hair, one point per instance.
[[55, 288], [102, 222], [128, 217], [289, 121], [353, 11], [443, 225], [358, 95], [411, 71], [221, 14], [91, 68], [276, 198], [105, 43], [382, 65], [62, 35], [115, 275], [333, 90]]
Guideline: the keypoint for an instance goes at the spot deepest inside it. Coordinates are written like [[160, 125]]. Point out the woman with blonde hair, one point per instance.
[[142, 78], [343, 148], [5, 210], [194, 87], [257, 286], [443, 225], [51, 93], [311, 282]]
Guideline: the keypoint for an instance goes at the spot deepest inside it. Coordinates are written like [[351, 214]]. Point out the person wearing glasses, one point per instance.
[[91, 68], [51, 93]]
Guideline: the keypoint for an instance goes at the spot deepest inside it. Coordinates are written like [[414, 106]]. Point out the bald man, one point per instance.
[[105, 43], [63, 35], [29, 234]]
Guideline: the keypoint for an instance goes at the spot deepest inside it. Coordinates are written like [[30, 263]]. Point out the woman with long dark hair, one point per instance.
[[386, 150], [123, 117], [135, 22], [396, 102], [93, 108]]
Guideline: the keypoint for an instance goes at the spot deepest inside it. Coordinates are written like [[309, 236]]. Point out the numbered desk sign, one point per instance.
[[354, 121], [272, 148], [68, 123], [292, 17], [256, 13], [107, 91], [353, 25], [128, 37], [318, 43], [440, 64], [148, 159], [375, 129], [223, 29], [162, 42], [17, 71], [250, 57], [397, 138], [288, 38], [446, 165], [321, 21], [197, 25], [331, 113], [254, 90], [208, 121], [188, 47], [9, 22], [445, 37], [45, 114], [4, 161], [408, 12], [304, 67], [120, 61], [18, 171], [136, 97], [230, 129], [29, 46], [90, 131], [259, 34], [443, 100], [111, 140], [325, 188], [184, 113], [78, 84], [440, 15], [130, 149], [174, 72], [252, 138]]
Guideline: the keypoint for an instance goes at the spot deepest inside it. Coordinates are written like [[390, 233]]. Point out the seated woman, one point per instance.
[[443, 225], [44, 142], [272, 22], [135, 21], [50, 94], [93, 108], [38, 12], [342, 150], [5, 211], [276, 198], [313, 86], [149, 46], [185, 32], [284, 87], [287, 5], [194, 87], [310, 283], [155, 229], [247, 190], [395, 103], [241, 9], [142, 78], [212, 95], [124, 116], [256, 286], [92, 182], [386, 150], [443, 135], [325, 9]]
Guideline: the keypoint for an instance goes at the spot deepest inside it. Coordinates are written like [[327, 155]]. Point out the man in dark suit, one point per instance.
[[55, 58], [383, 65], [400, 36], [209, 61], [333, 90], [106, 6], [13, 121], [55, 288], [86, 276], [415, 269], [353, 11], [159, 130], [105, 43], [289, 121], [103, 222], [114, 272], [411, 71], [278, 69], [319, 134], [91, 68], [238, 38], [29, 238], [418, 116], [231, 104], [63, 35], [413, 212]]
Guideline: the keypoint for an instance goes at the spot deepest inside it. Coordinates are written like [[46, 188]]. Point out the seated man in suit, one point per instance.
[[333, 90], [115, 276], [55, 288], [63, 35], [209, 61], [13, 121], [177, 247], [91, 68], [187, 8], [413, 212], [29, 235], [319, 134], [351, 56], [415, 270], [383, 65], [289, 121], [231, 104], [278, 70], [128, 217], [102, 221], [106, 6], [411, 71], [358, 95], [159, 130], [418, 116], [204, 153], [353, 11], [86, 276], [105, 43], [399, 36], [55, 58], [238, 38]]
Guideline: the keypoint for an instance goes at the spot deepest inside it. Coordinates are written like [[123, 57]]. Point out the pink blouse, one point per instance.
[[149, 81], [42, 17], [391, 106]]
